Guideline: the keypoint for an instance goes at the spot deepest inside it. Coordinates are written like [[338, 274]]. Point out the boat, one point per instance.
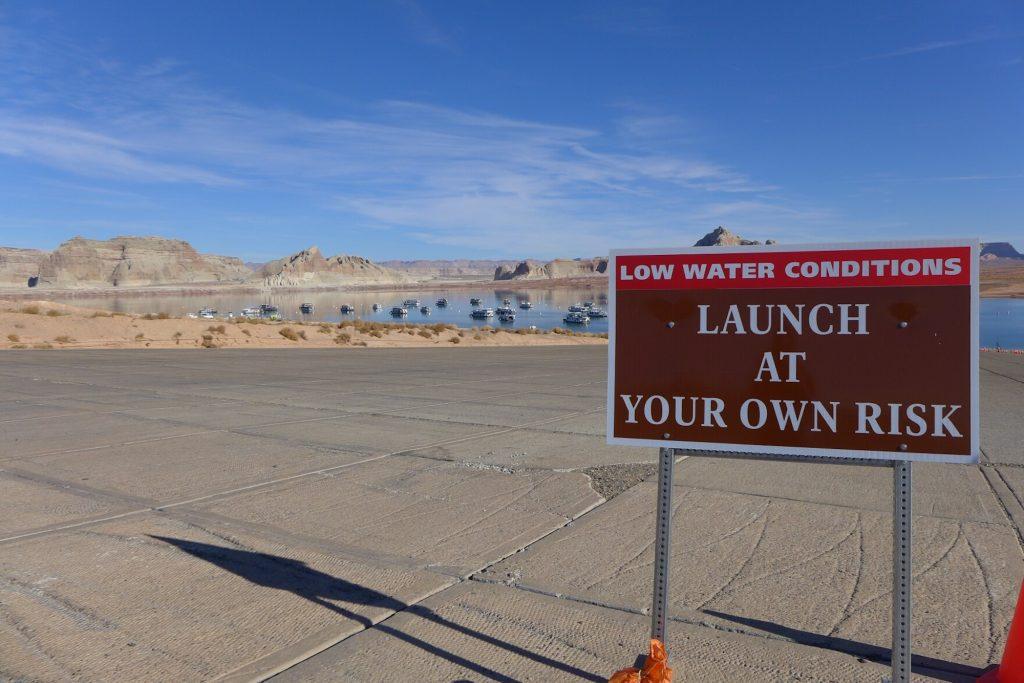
[[483, 313], [399, 311], [525, 305], [506, 302], [578, 308], [504, 310], [474, 301], [597, 313], [508, 316], [576, 318], [251, 312], [411, 303], [588, 304], [378, 307], [268, 308], [346, 308], [306, 308], [207, 313], [425, 310], [442, 302]]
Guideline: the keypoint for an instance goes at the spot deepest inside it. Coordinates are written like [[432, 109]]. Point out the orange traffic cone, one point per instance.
[[1011, 669], [655, 669]]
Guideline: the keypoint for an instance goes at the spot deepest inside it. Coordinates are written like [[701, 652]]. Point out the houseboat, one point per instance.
[[576, 318], [483, 313]]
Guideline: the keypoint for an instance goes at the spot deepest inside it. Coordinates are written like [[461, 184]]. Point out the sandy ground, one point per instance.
[[1002, 281], [47, 324]]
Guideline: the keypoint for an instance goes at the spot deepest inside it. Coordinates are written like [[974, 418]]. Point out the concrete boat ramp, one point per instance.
[[455, 515]]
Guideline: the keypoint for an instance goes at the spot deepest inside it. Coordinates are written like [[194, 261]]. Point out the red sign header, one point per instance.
[[881, 267]]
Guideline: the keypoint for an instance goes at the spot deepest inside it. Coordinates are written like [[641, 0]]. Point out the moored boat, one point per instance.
[[508, 316], [483, 313], [306, 308], [346, 308], [576, 318], [442, 302], [399, 311], [474, 301], [526, 305], [425, 310]]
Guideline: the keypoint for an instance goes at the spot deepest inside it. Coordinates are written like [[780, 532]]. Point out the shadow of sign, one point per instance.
[[296, 577]]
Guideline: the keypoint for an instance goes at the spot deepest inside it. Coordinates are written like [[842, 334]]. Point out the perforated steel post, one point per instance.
[[662, 543], [901, 572]]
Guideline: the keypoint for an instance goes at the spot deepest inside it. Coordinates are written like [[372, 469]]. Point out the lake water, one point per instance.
[[1002, 320]]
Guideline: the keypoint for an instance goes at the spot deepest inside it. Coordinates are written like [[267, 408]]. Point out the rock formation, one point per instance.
[[446, 268], [135, 261], [309, 268], [999, 251], [723, 237], [20, 267], [559, 268]]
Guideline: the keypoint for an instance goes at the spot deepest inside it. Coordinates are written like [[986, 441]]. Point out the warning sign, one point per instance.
[[853, 350]]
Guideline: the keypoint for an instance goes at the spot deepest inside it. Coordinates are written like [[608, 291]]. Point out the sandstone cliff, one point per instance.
[[19, 267], [310, 268], [557, 269], [999, 251], [723, 237], [446, 268], [133, 262]]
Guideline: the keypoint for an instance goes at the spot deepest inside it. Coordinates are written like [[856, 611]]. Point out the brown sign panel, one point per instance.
[[854, 350]]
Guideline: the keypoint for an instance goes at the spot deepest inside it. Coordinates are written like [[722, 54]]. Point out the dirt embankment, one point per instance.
[[50, 325]]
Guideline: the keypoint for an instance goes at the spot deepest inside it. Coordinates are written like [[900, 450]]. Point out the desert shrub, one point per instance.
[[163, 315], [177, 335], [454, 340], [54, 314], [412, 332], [324, 328], [63, 339], [30, 310], [376, 333], [462, 333], [603, 335], [476, 336], [149, 316], [43, 345], [19, 346], [208, 342], [13, 338], [359, 343], [288, 333], [247, 333], [343, 338], [557, 330], [346, 323], [426, 334], [140, 337], [218, 329]]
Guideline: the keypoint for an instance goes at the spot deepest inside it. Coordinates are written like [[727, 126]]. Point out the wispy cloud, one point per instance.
[[434, 173], [931, 46]]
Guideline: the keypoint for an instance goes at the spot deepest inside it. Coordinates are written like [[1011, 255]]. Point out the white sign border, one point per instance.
[[972, 243]]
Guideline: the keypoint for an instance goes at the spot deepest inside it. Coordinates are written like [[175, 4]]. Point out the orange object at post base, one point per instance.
[[654, 670], [1011, 669]]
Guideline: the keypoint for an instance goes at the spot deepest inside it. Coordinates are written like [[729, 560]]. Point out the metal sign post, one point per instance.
[[902, 526], [901, 571], [662, 543]]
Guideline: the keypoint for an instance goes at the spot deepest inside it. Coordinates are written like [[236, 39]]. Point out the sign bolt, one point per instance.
[[671, 324], [903, 324], [903, 446], [667, 435]]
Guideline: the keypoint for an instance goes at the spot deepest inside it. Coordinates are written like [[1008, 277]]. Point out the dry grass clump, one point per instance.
[[217, 329], [43, 345], [324, 328], [63, 339], [19, 346], [359, 343], [426, 334], [158, 316], [101, 314], [379, 334], [140, 337], [454, 340], [14, 338], [343, 338], [208, 342], [54, 314], [462, 333], [247, 333], [288, 333], [476, 336], [30, 310]]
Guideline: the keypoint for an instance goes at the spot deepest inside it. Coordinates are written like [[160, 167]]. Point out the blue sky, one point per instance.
[[413, 129]]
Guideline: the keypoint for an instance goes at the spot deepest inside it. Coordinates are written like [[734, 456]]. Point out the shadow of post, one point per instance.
[[295, 576], [940, 669]]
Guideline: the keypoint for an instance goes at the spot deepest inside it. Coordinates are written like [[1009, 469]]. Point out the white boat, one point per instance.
[[411, 303], [483, 313], [576, 318], [399, 311], [346, 308], [268, 308], [597, 313], [507, 302], [251, 312], [525, 305], [588, 304], [207, 313], [508, 317], [578, 308]]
